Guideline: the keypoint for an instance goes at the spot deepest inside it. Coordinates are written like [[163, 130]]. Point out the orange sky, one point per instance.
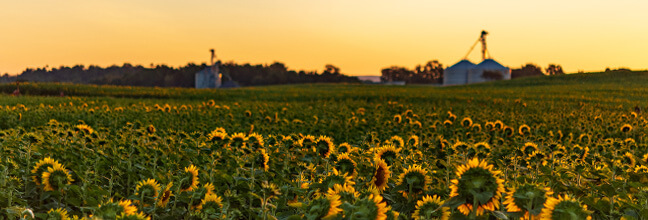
[[361, 37]]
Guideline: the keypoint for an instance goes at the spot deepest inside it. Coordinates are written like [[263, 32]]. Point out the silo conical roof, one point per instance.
[[490, 64], [463, 64]]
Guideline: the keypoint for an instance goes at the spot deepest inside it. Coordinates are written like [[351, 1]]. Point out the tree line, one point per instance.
[[184, 76], [432, 72]]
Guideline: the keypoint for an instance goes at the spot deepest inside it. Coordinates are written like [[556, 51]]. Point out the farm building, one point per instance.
[[465, 72], [209, 77], [458, 74]]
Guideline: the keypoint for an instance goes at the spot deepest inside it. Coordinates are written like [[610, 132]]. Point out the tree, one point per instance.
[[527, 70], [554, 69]]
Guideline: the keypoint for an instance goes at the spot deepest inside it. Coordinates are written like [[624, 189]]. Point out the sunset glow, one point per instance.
[[360, 37]]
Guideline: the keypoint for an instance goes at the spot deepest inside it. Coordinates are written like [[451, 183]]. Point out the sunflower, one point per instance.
[[150, 129], [255, 141], [398, 119], [413, 140], [189, 179], [489, 126], [460, 147], [508, 131], [237, 140], [345, 164], [476, 128], [216, 136], [324, 207], [466, 122], [345, 148], [524, 129], [414, 179], [388, 153], [381, 174], [137, 216], [55, 176], [447, 123], [127, 207], [564, 207], [40, 167], [148, 189], [58, 214], [85, 128], [261, 160], [518, 198], [626, 128], [428, 208], [324, 146], [397, 140], [529, 148], [307, 141], [498, 124], [628, 159], [211, 203], [482, 147], [346, 192], [370, 207], [166, 195], [477, 177], [335, 177]]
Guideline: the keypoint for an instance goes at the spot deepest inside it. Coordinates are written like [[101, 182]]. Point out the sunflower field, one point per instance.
[[560, 147]]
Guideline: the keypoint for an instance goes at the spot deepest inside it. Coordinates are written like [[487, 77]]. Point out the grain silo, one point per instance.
[[465, 72], [488, 70], [458, 74]]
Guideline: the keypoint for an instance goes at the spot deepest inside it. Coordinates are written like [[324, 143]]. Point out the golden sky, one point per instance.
[[361, 37]]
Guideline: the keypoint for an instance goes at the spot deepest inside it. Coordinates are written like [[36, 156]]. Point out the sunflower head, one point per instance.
[[110, 209], [261, 160], [371, 207], [626, 128], [414, 180], [396, 141], [335, 177], [237, 140], [84, 128], [413, 141], [255, 141], [381, 174], [216, 136], [41, 167], [189, 179], [166, 195], [428, 208], [324, 207], [564, 207], [211, 204], [345, 164], [148, 189], [346, 192], [136, 216], [57, 214], [527, 199], [324, 146], [344, 148], [529, 147], [477, 182], [388, 153], [524, 129], [56, 177], [466, 122]]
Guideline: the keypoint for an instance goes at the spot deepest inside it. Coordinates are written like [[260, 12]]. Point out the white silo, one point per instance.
[[457, 74], [488, 70]]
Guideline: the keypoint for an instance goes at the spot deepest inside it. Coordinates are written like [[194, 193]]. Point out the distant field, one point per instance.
[[331, 151]]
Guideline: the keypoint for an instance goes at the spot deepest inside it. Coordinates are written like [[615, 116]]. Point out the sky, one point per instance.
[[360, 37]]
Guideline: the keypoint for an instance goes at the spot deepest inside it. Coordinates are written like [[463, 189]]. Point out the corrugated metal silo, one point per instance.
[[457, 74]]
